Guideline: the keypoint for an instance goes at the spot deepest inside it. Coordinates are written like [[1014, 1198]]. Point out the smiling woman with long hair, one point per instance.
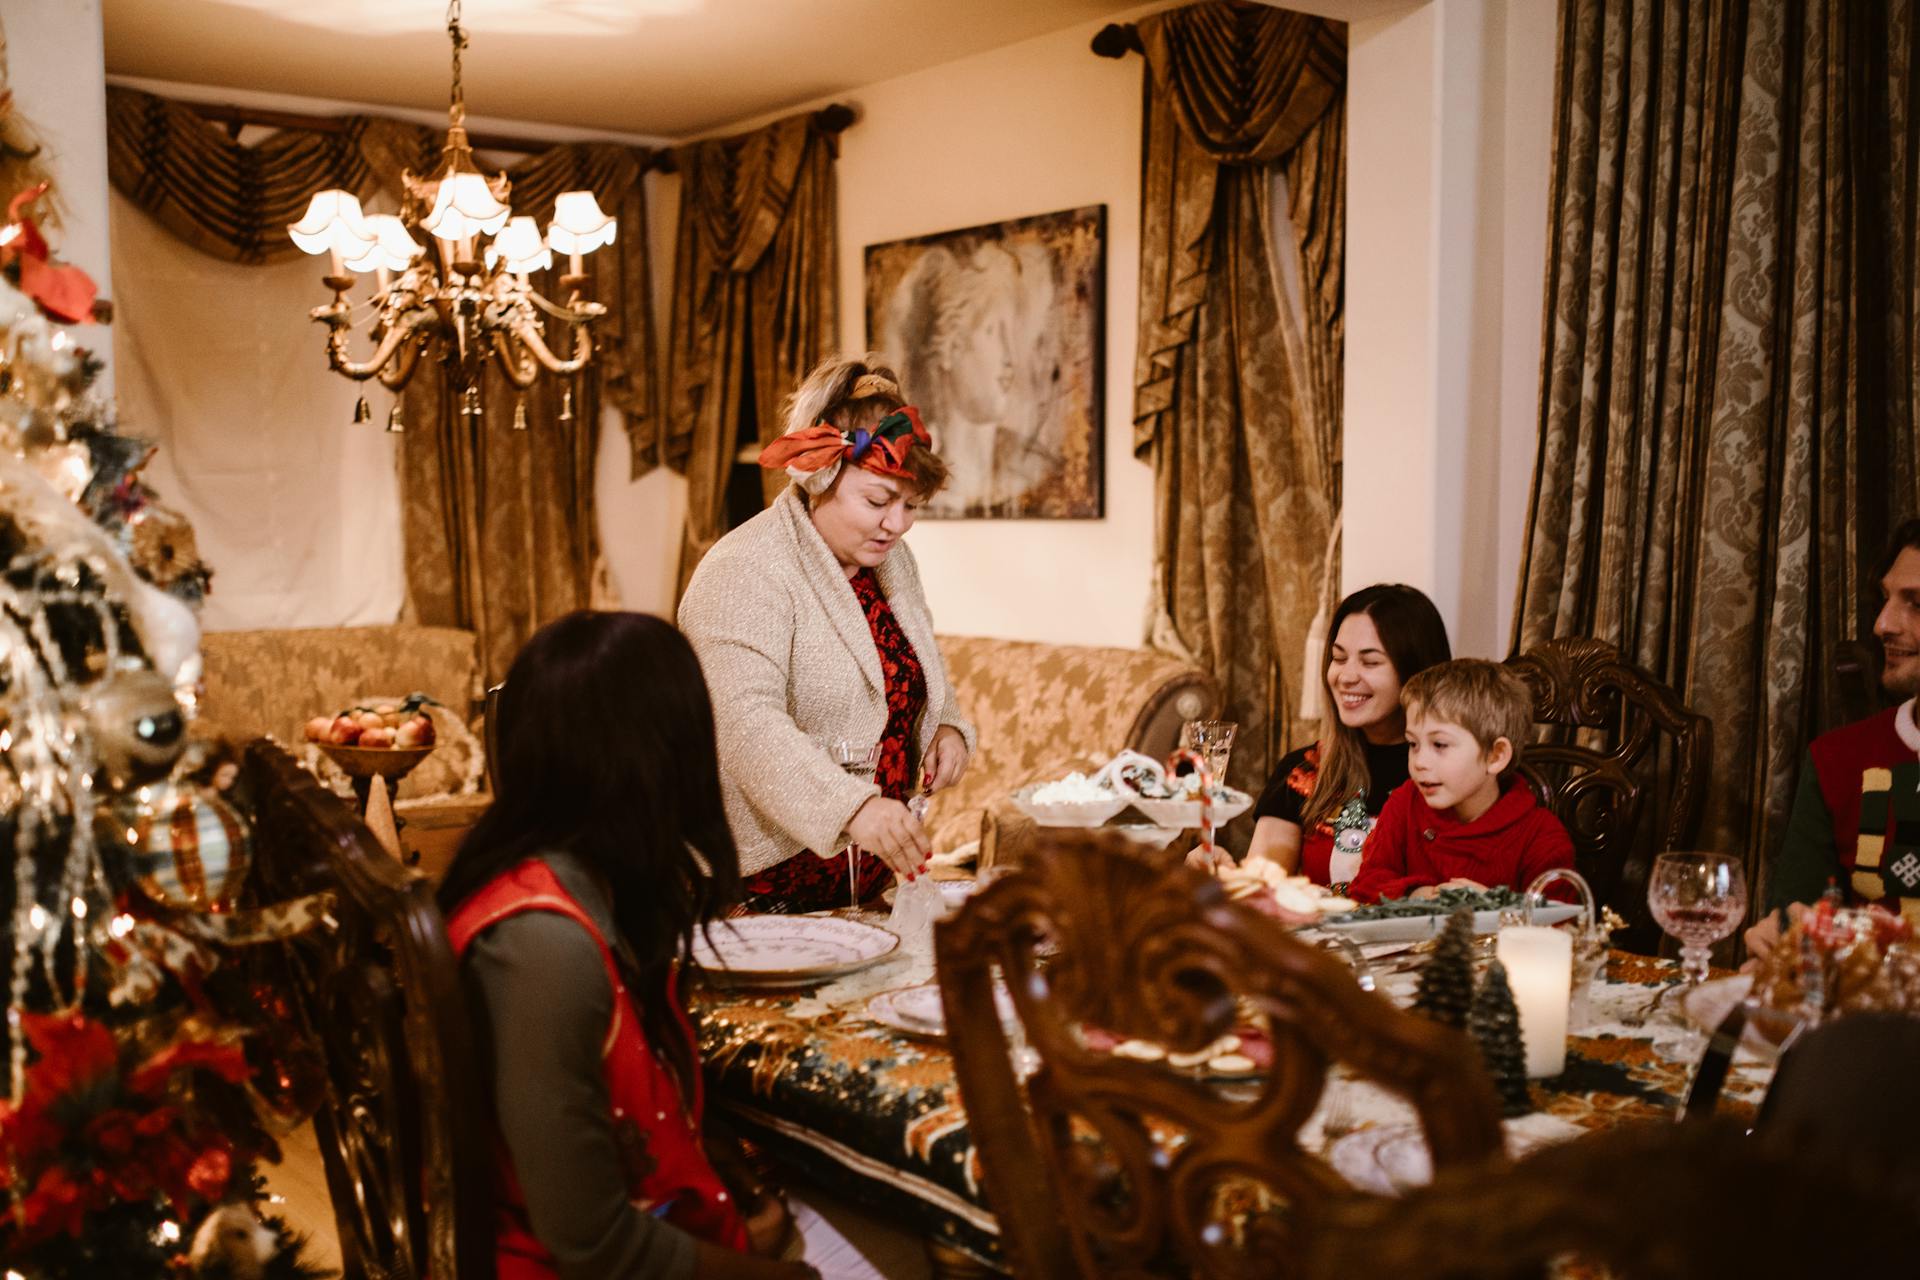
[[570, 905], [1323, 799]]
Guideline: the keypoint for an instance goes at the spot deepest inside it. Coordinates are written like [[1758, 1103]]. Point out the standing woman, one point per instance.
[[812, 629], [1322, 800], [569, 905]]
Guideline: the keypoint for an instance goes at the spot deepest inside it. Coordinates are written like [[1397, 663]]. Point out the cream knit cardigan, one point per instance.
[[790, 662]]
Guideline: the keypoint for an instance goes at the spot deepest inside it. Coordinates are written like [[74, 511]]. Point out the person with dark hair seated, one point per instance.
[[1855, 822], [570, 905]]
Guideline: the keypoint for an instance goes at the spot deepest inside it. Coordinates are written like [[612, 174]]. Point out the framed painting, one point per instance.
[[998, 334]]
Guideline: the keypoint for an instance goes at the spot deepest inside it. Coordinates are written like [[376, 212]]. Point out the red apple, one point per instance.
[[319, 728], [371, 720], [381, 737], [345, 731]]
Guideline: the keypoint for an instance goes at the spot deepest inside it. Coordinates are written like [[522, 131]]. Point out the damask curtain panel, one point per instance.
[[1728, 382], [1243, 438], [500, 525], [754, 302]]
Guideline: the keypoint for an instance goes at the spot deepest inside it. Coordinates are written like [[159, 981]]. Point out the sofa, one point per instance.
[[1042, 710], [1045, 709], [270, 683]]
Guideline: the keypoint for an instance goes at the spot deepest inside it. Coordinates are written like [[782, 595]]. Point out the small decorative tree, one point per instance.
[[1446, 983], [1495, 1026]]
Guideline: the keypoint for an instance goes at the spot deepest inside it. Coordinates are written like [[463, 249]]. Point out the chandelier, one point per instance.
[[475, 304]]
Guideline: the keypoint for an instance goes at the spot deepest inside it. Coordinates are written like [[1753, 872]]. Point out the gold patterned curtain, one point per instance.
[[499, 524], [754, 303], [1243, 438], [1727, 426]]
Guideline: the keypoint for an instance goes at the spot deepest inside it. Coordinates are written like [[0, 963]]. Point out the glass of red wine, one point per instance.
[[1698, 898]]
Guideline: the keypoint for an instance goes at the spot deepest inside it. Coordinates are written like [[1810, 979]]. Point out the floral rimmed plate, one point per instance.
[[788, 949], [917, 1011]]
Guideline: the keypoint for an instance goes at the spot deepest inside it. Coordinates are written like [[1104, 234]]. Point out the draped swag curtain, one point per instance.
[[522, 502], [754, 304], [1237, 391], [1727, 402]]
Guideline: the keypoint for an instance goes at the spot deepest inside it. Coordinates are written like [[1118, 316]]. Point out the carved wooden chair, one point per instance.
[[404, 1128], [1102, 1165], [1665, 1201], [1615, 743]]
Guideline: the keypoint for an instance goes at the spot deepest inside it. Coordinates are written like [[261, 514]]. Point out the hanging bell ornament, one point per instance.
[[519, 415], [394, 424], [361, 413], [566, 405]]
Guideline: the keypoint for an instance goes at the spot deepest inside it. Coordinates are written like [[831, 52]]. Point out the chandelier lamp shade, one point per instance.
[[469, 301]]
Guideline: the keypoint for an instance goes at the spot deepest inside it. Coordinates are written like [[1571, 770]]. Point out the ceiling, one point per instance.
[[662, 68]]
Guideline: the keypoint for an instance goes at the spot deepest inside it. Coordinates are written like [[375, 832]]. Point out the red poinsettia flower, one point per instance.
[[225, 1060], [63, 292], [75, 1053], [58, 1203]]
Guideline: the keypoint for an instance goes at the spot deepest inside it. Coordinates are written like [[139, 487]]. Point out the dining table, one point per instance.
[[873, 1115]]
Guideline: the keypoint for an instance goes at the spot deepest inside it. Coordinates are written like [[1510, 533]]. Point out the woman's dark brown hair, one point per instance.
[[1415, 638], [606, 752]]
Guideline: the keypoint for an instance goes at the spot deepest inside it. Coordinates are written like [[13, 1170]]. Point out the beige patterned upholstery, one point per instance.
[[270, 683], [1042, 709]]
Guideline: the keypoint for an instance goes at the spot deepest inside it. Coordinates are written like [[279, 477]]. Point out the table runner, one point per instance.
[[875, 1116]]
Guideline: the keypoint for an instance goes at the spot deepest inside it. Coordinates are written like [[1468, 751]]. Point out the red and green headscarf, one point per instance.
[[814, 455]]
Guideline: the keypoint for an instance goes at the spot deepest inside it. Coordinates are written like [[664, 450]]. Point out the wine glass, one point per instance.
[[1214, 740], [1698, 898], [860, 760]]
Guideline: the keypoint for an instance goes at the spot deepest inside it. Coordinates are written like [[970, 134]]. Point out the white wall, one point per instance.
[[1031, 128], [1450, 127], [57, 70]]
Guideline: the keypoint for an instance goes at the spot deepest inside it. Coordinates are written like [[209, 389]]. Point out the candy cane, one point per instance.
[[1200, 766]]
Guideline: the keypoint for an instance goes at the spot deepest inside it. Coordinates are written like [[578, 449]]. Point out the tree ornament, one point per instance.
[[1495, 1027], [188, 848], [1446, 982], [138, 731]]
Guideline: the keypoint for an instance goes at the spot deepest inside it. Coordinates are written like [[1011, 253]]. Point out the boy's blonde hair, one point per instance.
[[1485, 698]]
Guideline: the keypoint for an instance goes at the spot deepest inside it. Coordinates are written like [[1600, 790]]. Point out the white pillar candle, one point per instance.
[[1539, 965]]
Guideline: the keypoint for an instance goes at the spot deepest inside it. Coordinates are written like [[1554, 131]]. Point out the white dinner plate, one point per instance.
[[788, 949], [919, 1012], [1414, 928]]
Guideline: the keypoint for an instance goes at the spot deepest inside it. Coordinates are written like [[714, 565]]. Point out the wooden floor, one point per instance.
[[843, 1242]]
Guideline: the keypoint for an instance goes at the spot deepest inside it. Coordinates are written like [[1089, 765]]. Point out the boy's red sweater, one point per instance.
[[1414, 845]]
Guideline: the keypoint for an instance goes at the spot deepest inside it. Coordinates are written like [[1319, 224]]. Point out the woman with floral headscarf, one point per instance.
[[813, 631]]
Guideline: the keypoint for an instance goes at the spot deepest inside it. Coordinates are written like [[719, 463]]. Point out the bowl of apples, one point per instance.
[[380, 739]]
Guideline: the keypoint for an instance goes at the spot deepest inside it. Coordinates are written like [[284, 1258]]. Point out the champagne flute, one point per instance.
[[860, 761], [1698, 898], [1214, 740]]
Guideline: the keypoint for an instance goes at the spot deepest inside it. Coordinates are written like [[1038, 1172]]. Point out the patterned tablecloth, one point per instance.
[[875, 1116]]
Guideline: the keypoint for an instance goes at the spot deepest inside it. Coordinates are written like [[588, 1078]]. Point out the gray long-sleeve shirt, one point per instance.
[[540, 989]]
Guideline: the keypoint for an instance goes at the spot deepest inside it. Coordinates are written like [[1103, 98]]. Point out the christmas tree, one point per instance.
[[1445, 993], [1495, 1026], [143, 1075]]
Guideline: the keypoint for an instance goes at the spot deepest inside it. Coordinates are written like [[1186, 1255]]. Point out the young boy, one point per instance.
[[1463, 819]]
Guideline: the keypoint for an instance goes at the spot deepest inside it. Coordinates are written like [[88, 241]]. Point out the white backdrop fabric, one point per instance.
[[296, 506]]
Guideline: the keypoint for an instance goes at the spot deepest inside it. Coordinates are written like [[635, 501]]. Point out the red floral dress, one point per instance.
[[807, 882]]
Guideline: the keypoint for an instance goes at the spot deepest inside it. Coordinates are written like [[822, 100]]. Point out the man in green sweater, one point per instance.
[[1855, 822]]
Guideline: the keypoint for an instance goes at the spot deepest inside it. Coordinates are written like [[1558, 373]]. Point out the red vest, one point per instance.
[[668, 1166]]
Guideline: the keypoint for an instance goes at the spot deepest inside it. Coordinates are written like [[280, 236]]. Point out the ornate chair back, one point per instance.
[[1613, 739], [404, 1129], [1104, 1164]]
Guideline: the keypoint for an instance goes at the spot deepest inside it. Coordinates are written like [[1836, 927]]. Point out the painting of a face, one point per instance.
[[997, 331]]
